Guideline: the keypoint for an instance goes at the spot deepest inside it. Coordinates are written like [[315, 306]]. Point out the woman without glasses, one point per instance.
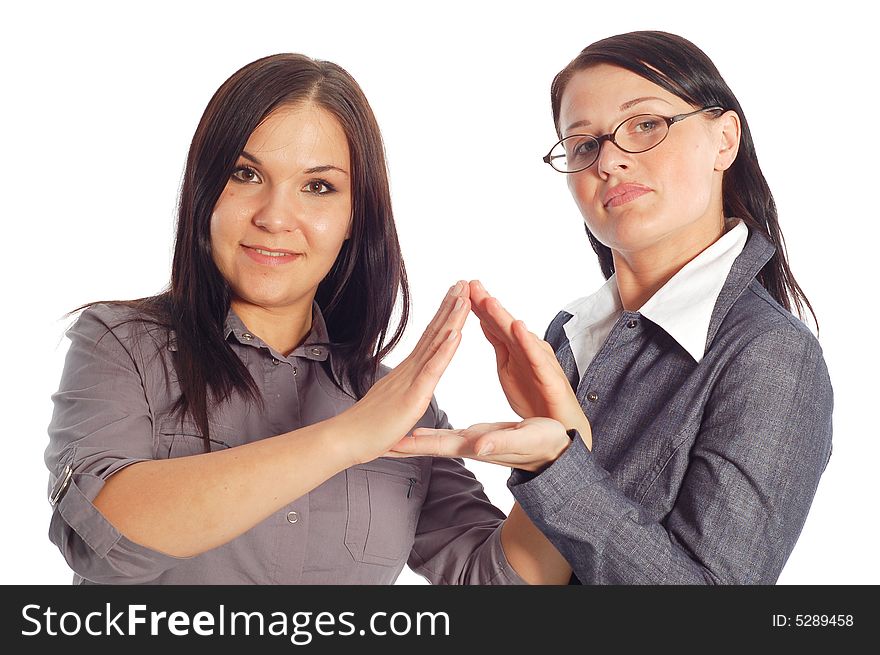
[[678, 420], [230, 429]]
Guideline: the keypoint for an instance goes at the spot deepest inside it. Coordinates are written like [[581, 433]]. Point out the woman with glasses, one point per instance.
[[232, 429], [677, 420]]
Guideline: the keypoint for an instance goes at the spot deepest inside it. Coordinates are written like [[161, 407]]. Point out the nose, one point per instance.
[[611, 159], [278, 212]]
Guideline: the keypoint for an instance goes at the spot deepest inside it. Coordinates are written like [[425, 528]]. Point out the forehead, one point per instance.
[[304, 129], [597, 93]]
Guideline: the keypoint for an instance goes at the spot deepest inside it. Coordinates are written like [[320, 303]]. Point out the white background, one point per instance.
[[100, 101]]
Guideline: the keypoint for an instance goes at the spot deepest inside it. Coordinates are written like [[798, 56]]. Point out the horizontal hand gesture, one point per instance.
[[530, 445]]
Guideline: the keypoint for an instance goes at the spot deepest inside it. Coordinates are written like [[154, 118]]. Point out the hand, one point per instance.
[[533, 381], [393, 405], [531, 445]]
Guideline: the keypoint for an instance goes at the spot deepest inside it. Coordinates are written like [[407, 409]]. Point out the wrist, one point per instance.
[[561, 442], [578, 421], [341, 442]]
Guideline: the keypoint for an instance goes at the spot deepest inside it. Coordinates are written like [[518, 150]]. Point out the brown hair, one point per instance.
[[680, 67], [358, 295]]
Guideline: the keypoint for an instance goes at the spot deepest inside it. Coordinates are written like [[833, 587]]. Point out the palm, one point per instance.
[[525, 393]]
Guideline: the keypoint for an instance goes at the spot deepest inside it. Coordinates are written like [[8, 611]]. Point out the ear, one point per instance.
[[728, 144]]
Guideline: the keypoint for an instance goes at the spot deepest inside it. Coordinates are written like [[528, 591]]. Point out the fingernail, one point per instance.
[[452, 334], [486, 450], [458, 304], [457, 288], [479, 285]]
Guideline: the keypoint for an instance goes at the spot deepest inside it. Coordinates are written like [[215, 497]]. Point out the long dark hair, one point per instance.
[[680, 67], [358, 295]]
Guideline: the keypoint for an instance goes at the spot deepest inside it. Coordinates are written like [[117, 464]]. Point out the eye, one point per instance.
[[584, 148], [246, 175], [319, 187], [579, 147], [644, 125]]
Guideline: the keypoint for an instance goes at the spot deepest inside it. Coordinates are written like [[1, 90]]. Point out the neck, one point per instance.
[[640, 274], [282, 328]]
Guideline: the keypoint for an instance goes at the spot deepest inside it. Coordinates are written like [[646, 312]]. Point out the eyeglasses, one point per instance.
[[640, 133]]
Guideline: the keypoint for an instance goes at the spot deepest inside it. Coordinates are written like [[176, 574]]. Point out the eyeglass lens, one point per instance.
[[638, 134]]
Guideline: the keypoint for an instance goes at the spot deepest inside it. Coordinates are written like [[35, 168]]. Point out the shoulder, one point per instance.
[[119, 324], [757, 321], [761, 338]]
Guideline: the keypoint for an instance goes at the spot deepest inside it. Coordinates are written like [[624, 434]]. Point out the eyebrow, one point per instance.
[[324, 168], [247, 155], [626, 105], [309, 171]]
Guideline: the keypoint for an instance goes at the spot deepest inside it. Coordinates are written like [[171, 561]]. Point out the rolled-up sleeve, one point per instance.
[[754, 468], [458, 537], [101, 423]]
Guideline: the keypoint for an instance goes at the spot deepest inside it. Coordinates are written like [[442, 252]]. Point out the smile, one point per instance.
[[269, 257], [272, 253]]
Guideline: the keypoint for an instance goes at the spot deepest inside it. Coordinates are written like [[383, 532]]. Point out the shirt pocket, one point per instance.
[[383, 510], [180, 439]]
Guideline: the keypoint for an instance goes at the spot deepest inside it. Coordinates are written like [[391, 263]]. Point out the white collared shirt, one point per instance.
[[682, 307]]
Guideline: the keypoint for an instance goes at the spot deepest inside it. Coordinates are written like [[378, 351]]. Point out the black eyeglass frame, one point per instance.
[[670, 120]]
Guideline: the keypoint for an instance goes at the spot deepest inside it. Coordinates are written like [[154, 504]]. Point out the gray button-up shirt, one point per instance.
[[701, 471], [114, 408]]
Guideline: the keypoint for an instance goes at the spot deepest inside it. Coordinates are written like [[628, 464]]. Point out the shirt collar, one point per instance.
[[315, 346], [683, 307]]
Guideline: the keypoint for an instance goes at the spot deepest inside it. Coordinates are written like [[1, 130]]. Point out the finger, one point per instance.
[[502, 354], [532, 347], [479, 295], [455, 320], [512, 443], [428, 374], [439, 326], [497, 321], [433, 443], [399, 455]]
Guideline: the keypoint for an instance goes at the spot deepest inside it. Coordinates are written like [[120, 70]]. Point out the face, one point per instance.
[[286, 210], [669, 195]]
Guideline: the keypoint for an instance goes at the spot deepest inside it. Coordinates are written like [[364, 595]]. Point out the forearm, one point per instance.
[[188, 505], [530, 553]]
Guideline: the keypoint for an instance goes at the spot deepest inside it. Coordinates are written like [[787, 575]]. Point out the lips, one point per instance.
[[623, 193], [265, 250], [270, 256]]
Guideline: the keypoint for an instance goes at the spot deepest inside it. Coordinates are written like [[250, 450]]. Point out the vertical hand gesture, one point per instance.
[[392, 406], [533, 381]]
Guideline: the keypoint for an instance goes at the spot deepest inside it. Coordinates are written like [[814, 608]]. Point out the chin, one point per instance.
[[268, 299]]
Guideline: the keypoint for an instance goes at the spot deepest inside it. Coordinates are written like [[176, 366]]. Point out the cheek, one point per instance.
[[328, 230], [692, 180], [584, 189]]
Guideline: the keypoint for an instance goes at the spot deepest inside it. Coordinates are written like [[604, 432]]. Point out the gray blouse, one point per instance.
[[113, 408], [701, 472]]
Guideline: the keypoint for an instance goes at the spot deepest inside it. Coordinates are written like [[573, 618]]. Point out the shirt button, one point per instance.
[[292, 517], [592, 396], [294, 371], [247, 336], [275, 362], [632, 323], [315, 351]]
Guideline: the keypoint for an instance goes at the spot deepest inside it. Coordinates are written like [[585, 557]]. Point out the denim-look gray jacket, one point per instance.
[[700, 473]]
